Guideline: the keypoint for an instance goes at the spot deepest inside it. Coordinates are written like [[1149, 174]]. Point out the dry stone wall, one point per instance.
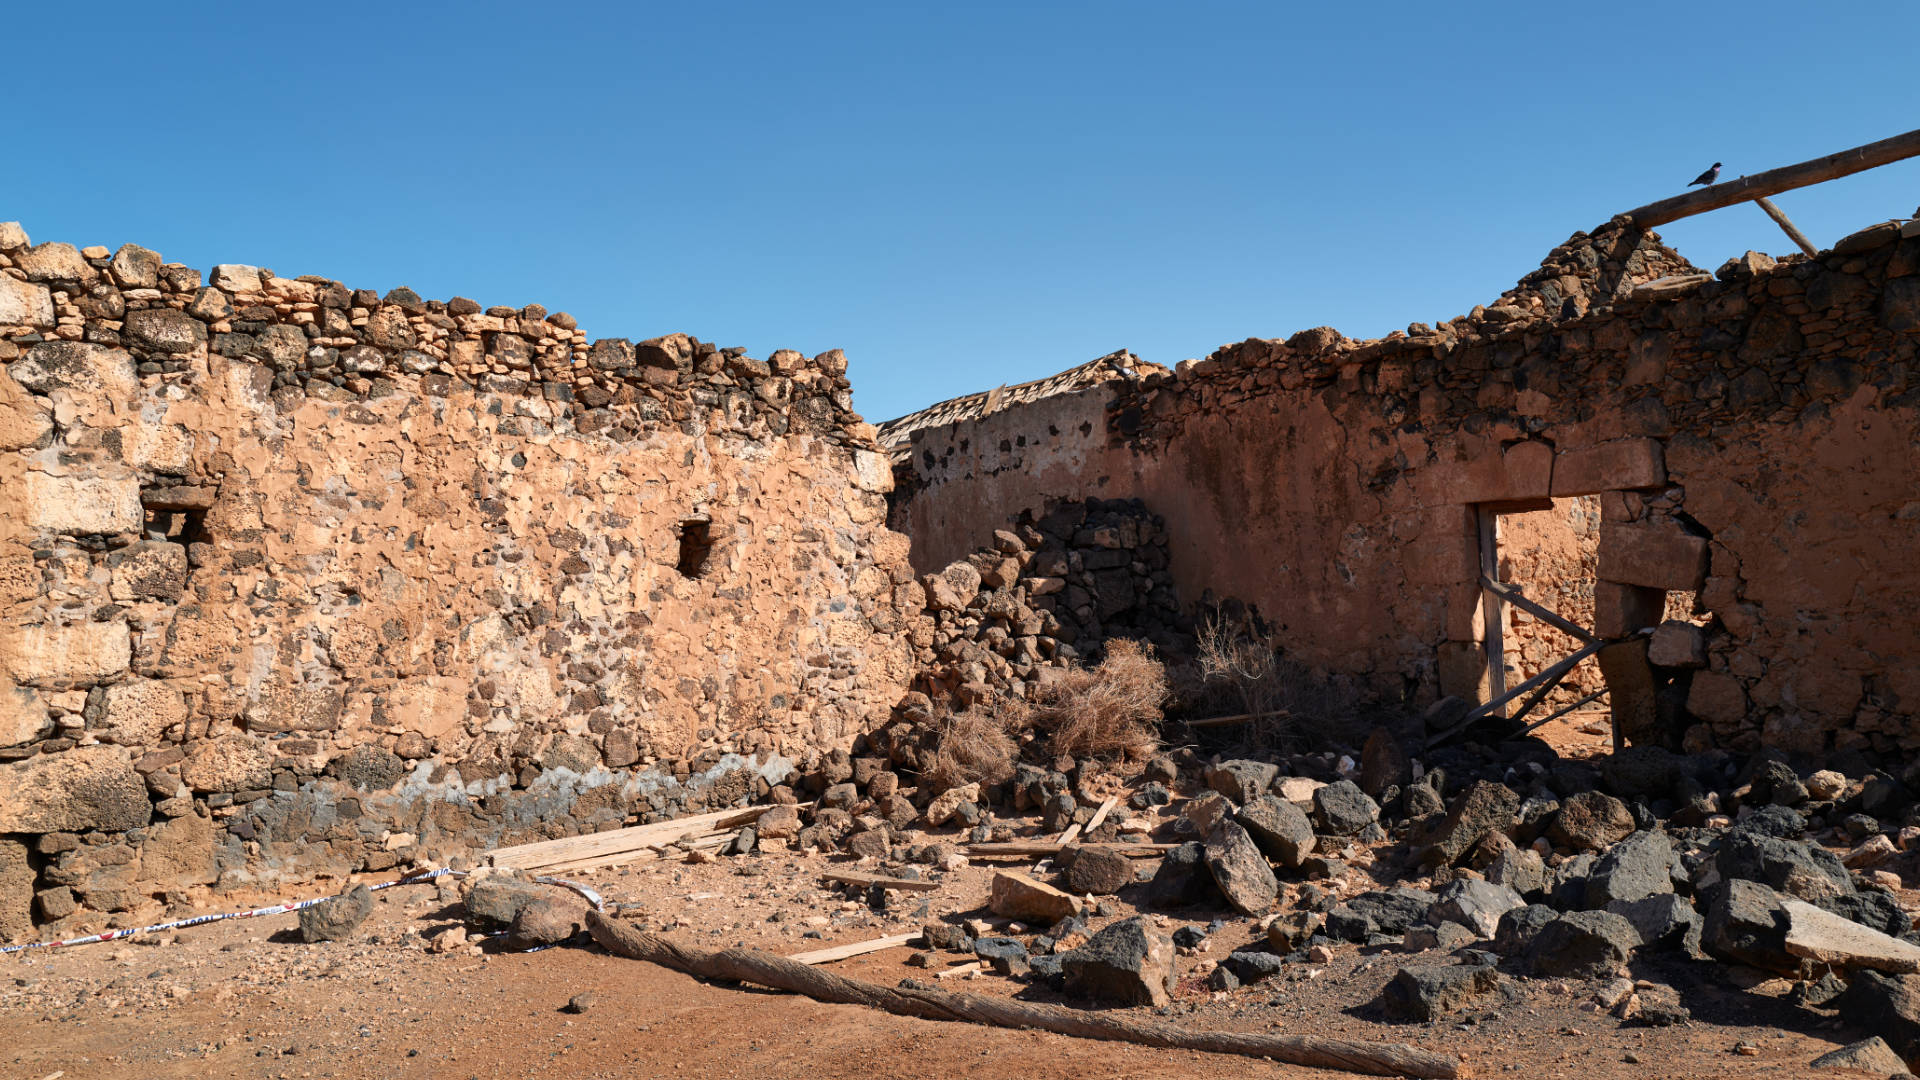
[[1748, 435], [299, 580]]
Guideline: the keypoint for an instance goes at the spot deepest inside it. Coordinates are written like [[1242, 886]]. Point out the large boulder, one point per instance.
[[1474, 904], [1241, 780], [1342, 809], [1583, 945], [1590, 821], [1666, 921], [1384, 913], [1182, 879], [548, 920], [1240, 870], [1429, 991], [336, 919], [1746, 925], [1798, 869], [1279, 829], [1099, 871], [1017, 896], [1518, 928], [1486, 807], [1833, 942], [1868, 1056], [1128, 963], [1888, 1005], [1633, 869]]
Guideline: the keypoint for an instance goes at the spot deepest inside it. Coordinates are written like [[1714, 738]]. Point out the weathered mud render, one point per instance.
[[299, 580]]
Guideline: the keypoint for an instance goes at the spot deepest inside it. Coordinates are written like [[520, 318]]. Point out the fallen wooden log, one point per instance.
[[781, 973], [855, 877], [1027, 849], [857, 948]]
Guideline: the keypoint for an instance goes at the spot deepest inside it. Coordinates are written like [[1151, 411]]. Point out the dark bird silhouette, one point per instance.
[[1709, 176]]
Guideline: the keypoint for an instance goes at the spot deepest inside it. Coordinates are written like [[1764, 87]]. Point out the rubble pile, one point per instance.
[[1047, 593]]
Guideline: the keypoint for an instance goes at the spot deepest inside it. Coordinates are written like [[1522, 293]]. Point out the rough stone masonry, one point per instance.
[[299, 580]]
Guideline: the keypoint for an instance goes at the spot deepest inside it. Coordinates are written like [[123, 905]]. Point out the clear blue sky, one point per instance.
[[959, 195]]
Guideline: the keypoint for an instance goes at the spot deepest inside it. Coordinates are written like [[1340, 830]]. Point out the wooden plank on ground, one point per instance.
[[854, 877], [1100, 815], [858, 948], [1026, 849], [961, 970], [646, 854], [636, 838]]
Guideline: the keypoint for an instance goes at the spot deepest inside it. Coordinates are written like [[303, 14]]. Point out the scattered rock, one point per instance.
[[580, 1004], [1633, 869], [1590, 821], [1474, 904], [1830, 940], [1429, 991], [1017, 896], [1239, 870], [1128, 963], [336, 919], [1242, 781], [1583, 945], [1486, 807], [1099, 871], [1342, 809], [1868, 1055], [1279, 829], [1746, 924]]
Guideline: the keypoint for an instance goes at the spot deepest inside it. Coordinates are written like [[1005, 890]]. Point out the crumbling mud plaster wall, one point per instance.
[[298, 580], [1749, 436]]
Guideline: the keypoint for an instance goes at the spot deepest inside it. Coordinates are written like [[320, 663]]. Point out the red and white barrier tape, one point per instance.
[[281, 909]]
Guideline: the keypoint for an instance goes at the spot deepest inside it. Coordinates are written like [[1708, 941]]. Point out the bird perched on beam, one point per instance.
[[1709, 176]]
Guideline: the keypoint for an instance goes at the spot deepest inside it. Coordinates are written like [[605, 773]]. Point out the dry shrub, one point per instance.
[[1239, 668], [977, 745], [1111, 708]]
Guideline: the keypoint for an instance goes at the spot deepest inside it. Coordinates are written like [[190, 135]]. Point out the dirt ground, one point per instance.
[[244, 998]]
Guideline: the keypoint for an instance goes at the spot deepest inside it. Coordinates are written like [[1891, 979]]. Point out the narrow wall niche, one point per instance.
[[696, 543]]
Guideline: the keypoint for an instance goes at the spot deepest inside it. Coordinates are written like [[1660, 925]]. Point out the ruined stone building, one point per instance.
[[1729, 457], [299, 580]]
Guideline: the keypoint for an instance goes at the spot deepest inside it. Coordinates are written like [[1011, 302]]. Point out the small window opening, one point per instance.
[[696, 542], [185, 527]]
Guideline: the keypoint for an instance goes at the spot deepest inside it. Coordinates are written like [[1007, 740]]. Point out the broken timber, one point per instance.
[[854, 877], [858, 948], [1787, 226], [1026, 849], [1542, 682], [782, 973], [1774, 181]]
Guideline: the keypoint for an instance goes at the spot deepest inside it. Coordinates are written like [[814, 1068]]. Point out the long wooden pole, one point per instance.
[[781, 973], [1774, 181], [1787, 226]]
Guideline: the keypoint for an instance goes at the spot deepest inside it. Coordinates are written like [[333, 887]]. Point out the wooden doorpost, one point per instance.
[[1492, 608]]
